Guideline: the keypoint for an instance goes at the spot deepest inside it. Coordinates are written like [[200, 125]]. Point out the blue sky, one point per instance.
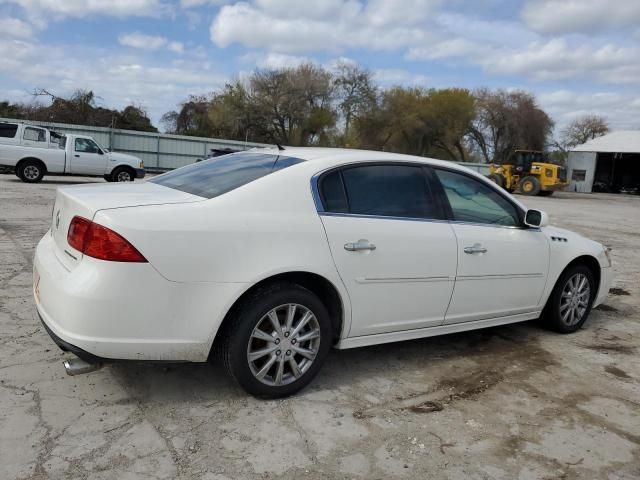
[[577, 56]]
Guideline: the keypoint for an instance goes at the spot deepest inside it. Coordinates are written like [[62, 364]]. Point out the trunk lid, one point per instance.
[[86, 200]]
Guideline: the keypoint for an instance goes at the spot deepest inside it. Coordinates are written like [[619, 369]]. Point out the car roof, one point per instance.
[[318, 154]]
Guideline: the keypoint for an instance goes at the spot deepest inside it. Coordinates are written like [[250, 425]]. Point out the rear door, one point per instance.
[[87, 158], [502, 264], [392, 250]]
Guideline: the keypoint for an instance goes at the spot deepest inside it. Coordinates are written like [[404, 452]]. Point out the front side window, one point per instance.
[[34, 134], [379, 190], [215, 176], [8, 130], [86, 145], [473, 201]]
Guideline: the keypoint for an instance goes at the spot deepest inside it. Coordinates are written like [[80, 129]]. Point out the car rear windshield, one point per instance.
[[213, 177]]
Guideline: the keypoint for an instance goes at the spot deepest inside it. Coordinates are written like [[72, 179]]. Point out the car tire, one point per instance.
[[571, 300], [294, 354], [529, 185], [30, 171], [123, 174], [497, 179]]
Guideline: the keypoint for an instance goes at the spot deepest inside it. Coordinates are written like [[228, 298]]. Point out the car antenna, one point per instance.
[[280, 147]]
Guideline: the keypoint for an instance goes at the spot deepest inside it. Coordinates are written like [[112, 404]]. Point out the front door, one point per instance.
[[502, 265], [395, 255], [87, 158]]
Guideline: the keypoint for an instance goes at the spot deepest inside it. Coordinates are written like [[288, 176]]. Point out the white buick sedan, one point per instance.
[[266, 259]]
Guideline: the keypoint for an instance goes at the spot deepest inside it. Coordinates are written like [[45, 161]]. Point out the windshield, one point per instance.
[[219, 175]]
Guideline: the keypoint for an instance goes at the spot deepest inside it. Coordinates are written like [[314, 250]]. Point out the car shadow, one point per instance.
[[61, 181], [424, 358]]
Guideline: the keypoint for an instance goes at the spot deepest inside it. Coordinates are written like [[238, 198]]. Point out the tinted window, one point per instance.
[[86, 145], [383, 190], [334, 197], [219, 175], [34, 134], [473, 201], [8, 130]]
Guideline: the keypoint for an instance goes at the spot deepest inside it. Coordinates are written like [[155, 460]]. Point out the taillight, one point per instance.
[[101, 242]]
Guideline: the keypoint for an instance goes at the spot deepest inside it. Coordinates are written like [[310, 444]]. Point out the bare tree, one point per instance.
[[355, 91], [581, 130], [506, 121]]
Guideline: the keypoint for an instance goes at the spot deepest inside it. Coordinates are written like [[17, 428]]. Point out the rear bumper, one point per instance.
[[140, 172], [117, 311]]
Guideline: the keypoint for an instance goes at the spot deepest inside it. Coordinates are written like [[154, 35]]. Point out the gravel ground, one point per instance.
[[504, 403]]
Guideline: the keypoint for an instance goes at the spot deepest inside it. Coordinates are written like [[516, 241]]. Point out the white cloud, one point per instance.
[[140, 40], [15, 28], [176, 47], [565, 16], [81, 8], [333, 25], [622, 110], [149, 42], [117, 79], [279, 60], [388, 77]]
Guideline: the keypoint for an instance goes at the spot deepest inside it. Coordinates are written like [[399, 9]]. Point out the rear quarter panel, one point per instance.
[[261, 229]]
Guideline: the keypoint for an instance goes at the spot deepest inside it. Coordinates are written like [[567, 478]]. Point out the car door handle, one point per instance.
[[477, 248], [76, 155], [361, 244]]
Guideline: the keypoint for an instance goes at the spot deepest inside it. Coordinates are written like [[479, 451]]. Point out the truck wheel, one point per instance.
[[30, 171], [497, 179], [123, 174], [529, 185]]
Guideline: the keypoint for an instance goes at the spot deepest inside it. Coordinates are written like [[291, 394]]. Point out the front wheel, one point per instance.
[[277, 340], [123, 174], [529, 185], [570, 302]]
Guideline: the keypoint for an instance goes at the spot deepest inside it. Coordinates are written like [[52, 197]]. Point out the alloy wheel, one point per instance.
[[124, 176], [574, 300], [283, 344]]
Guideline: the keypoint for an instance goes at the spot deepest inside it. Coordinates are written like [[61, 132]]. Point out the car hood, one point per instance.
[[123, 157]]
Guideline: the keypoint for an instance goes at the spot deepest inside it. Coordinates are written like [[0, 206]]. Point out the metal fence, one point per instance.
[[159, 151]]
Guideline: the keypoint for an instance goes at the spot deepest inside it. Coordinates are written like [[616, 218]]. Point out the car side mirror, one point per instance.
[[536, 218]]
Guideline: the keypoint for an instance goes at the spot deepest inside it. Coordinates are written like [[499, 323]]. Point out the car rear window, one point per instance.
[[8, 130], [216, 176]]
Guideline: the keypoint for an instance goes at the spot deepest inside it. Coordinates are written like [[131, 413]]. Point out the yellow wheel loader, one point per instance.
[[528, 172]]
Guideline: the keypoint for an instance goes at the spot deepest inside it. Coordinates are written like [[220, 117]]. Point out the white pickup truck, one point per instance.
[[33, 152]]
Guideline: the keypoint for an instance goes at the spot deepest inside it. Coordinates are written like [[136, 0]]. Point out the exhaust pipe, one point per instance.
[[77, 366]]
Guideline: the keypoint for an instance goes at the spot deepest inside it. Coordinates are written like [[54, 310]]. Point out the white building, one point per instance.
[[610, 163]]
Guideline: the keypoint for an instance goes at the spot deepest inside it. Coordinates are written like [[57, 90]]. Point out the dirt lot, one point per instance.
[[504, 403]]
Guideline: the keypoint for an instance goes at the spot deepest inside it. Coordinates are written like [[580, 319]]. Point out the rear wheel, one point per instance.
[[30, 171], [123, 174], [570, 302], [277, 340], [529, 185]]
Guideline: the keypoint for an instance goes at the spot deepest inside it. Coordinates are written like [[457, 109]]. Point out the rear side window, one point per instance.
[[8, 130], [474, 202], [34, 134], [380, 190], [216, 176]]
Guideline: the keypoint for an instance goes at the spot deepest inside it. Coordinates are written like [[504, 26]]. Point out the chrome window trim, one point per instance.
[[315, 193]]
